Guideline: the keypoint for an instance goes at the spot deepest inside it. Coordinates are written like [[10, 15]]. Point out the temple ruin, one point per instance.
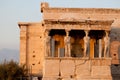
[[72, 44]]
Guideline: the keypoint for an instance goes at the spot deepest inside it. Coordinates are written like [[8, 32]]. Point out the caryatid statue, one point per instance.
[[67, 44], [86, 43], [106, 44], [47, 43]]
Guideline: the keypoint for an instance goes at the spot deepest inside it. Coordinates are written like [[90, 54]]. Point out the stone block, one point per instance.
[[67, 67], [101, 71], [68, 79], [51, 68], [82, 67], [105, 62], [96, 62], [82, 78], [115, 61], [50, 78], [101, 62], [94, 78]]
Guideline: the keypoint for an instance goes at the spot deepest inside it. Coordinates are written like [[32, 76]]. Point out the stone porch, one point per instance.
[[77, 69]]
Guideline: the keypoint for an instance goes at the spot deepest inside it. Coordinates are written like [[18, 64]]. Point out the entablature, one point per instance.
[[28, 23], [78, 24]]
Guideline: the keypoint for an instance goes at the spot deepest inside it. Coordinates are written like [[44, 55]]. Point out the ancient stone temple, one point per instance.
[[72, 44]]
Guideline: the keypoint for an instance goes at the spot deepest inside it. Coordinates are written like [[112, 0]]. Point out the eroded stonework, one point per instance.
[[72, 44]]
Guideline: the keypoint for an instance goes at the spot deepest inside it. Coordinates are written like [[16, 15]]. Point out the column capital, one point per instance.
[[47, 31], [107, 32], [86, 32], [67, 30]]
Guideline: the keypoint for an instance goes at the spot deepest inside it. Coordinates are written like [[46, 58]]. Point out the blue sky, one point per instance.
[[14, 11]]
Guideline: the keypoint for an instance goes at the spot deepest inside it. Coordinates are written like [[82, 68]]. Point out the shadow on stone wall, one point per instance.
[[115, 71], [115, 67]]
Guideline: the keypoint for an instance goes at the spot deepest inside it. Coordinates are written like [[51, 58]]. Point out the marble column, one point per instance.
[[100, 48], [67, 44], [106, 44], [47, 43], [86, 43], [52, 47]]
